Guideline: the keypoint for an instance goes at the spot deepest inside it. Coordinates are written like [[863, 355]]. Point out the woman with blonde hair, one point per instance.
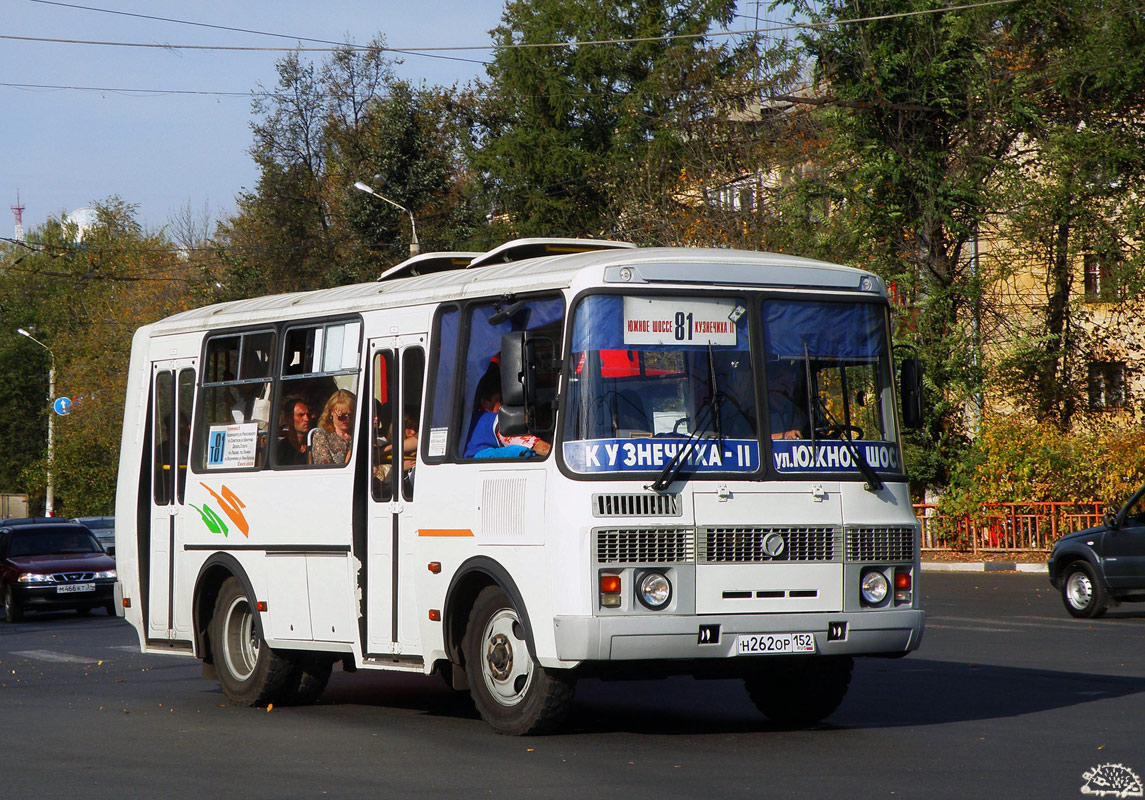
[[334, 436]]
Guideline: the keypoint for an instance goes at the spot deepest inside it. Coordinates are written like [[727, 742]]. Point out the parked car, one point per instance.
[[103, 528], [1105, 565], [52, 564]]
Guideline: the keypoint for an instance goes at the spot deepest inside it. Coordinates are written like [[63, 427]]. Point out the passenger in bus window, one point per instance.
[[787, 399], [334, 436], [485, 440], [295, 422]]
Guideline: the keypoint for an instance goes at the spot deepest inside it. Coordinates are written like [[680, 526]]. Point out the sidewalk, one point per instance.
[[983, 566]]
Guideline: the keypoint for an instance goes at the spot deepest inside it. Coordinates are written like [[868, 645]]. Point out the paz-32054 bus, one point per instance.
[[561, 458]]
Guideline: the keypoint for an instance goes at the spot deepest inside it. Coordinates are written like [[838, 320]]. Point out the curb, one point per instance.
[[981, 566]]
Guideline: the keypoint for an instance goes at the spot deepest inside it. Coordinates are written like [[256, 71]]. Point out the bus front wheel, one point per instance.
[[799, 691], [250, 673], [513, 693]]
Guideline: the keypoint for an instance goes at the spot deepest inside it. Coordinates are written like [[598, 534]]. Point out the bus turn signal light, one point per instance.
[[609, 591], [902, 587]]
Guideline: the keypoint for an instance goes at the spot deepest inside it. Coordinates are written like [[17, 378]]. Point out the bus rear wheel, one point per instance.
[[513, 693], [250, 673], [800, 691]]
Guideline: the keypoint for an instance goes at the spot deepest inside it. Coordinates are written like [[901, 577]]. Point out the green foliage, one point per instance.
[[83, 300], [573, 136], [1019, 460]]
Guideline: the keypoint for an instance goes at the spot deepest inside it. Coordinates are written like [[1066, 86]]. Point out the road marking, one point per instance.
[[54, 657]]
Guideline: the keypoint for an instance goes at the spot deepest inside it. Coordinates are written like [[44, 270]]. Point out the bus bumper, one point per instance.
[[644, 637]]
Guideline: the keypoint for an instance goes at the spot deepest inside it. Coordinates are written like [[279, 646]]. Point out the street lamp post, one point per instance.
[[50, 490], [414, 247]]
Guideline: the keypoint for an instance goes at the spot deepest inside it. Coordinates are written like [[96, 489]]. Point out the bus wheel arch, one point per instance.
[[473, 576], [212, 574]]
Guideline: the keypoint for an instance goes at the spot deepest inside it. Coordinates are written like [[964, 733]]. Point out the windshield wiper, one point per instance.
[[874, 482], [672, 468]]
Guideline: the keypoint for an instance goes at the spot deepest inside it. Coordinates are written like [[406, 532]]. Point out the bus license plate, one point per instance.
[[69, 588], [774, 643]]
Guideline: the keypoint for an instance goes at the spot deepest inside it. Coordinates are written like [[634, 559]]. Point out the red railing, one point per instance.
[[1005, 526]]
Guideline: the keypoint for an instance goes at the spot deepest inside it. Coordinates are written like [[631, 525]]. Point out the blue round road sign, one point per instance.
[[62, 406]]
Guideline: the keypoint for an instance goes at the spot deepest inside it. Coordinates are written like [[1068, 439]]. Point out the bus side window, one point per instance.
[[163, 481], [384, 378], [434, 438], [481, 393], [234, 408], [413, 373], [318, 394]]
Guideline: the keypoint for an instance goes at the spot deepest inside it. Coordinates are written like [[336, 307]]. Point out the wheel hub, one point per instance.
[[500, 657]]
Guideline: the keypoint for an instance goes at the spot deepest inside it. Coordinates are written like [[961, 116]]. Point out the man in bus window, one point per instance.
[[295, 422], [787, 399], [486, 441]]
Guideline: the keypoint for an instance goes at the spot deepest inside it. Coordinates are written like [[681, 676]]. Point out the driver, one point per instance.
[[787, 399]]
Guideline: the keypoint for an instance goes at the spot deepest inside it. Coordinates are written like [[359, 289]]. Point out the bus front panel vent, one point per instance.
[[881, 543], [644, 546], [635, 505], [752, 545]]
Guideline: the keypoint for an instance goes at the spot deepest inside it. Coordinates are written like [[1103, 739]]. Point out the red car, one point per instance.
[[47, 565]]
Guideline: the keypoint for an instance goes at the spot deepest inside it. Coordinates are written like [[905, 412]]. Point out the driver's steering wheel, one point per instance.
[[837, 431]]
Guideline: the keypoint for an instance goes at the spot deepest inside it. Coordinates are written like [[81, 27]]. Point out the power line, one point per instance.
[[520, 45], [233, 29]]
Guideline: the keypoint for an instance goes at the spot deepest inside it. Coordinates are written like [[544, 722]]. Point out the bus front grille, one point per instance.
[[645, 546], [756, 544], [889, 543]]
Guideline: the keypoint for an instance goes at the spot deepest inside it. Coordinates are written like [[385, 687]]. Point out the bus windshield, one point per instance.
[[653, 374], [650, 375], [829, 392]]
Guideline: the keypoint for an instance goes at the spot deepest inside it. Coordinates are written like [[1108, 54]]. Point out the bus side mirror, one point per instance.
[[529, 373], [910, 392]]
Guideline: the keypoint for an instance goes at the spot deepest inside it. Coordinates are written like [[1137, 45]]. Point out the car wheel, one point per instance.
[[12, 610], [1082, 593], [250, 673], [513, 693], [799, 691]]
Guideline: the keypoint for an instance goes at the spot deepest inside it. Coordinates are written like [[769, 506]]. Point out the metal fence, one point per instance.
[[1005, 527]]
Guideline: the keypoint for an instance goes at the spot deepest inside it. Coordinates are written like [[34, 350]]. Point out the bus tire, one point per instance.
[[250, 673], [313, 673], [800, 691], [511, 692]]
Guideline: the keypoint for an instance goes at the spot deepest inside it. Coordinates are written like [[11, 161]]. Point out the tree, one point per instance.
[[1075, 199], [568, 130], [83, 298], [323, 128]]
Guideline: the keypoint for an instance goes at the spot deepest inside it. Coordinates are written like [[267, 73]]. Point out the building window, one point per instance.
[[1106, 384], [1101, 282]]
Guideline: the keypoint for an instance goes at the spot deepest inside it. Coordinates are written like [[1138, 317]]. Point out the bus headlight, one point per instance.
[[654, 590], [873, 587]]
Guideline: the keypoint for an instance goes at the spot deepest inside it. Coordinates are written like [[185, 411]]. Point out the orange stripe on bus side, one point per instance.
[[444, 532]]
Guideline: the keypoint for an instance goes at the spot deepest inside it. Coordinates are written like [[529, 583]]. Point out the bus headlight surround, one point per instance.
[[873, 587], [654, 590]]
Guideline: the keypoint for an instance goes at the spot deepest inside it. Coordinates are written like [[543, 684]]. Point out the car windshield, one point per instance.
[[52, 542]]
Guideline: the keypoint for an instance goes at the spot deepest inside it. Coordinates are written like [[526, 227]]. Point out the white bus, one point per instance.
[[557, 459]]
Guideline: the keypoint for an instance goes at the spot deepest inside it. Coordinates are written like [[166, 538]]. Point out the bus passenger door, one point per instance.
[[172, 392], [397, 372]]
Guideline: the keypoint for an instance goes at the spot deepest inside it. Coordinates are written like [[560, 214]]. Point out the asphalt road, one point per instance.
[[1008, 697]]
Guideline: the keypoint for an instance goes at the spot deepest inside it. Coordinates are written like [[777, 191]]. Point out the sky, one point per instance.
[[168, 130]]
